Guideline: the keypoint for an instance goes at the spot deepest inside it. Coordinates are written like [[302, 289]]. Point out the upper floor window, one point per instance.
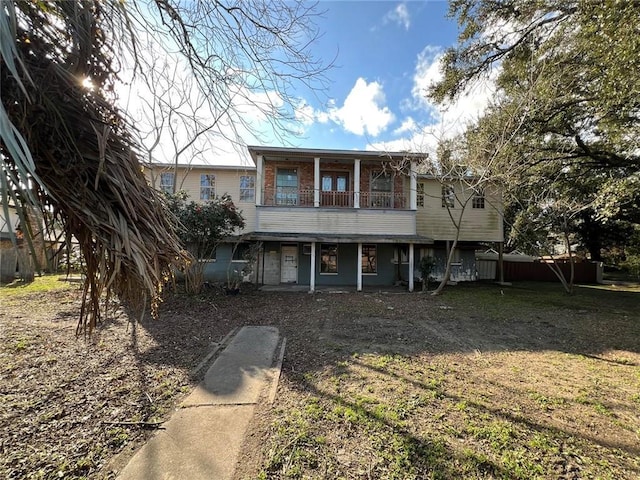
[[420, 194], [287, 186], [247, 188], [381, 190], [448, 196], [207, 186], [167, 180], [478, 199]]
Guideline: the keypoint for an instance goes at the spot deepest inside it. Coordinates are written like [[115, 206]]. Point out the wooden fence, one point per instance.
[[584, 272]]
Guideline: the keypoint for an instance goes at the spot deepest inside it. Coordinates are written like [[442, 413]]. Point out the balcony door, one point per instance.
[[334, 187]]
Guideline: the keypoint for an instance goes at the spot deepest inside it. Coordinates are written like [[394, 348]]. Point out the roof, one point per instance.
[[199, 166], [329, 153]]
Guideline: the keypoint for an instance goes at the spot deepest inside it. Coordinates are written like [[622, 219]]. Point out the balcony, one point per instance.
[[293, 197]]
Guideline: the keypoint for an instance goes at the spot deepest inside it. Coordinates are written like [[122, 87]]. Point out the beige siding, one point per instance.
[[227, 181], [338, 221], [478, 224]]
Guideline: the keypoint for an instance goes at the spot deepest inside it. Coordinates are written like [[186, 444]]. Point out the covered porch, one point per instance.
[[337, 261]]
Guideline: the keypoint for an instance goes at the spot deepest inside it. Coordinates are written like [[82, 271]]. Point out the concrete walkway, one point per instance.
[[203, 438]]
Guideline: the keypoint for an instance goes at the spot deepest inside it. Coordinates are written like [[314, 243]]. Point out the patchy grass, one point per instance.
[[41, 284], [482, 382], [517, 383]]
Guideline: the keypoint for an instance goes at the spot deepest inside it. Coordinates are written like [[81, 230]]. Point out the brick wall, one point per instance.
[[366, 172], [306, 174]]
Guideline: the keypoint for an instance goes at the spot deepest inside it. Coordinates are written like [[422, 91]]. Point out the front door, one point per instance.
[[289, 264]]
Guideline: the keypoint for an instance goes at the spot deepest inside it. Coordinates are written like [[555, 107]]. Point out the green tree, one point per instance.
[[570, 72], [201, 228]]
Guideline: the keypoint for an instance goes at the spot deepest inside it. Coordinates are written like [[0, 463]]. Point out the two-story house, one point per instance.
[[338, 217]]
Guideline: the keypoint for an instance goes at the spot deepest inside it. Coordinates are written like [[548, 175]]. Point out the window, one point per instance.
[[420, 194], [287, 186], [369, 259], [401, 254], [478, 199], [247, 188], [241, 252], [329, 258], [167, 180], [208, 257], [381, 189], [207, 186], [448, 196]]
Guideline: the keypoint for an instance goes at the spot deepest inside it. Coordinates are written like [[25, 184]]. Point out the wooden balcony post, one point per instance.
[[413, 189], [411, 268], [359, 262], [312, 274], [316, 182], [356, 183], [259, 186]]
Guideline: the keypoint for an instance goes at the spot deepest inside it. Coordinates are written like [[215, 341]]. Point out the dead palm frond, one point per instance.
[[66, 150]]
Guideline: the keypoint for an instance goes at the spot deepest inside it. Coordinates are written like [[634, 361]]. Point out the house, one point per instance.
[[477, 206], [8, 250], [323, 217], [203, 183]]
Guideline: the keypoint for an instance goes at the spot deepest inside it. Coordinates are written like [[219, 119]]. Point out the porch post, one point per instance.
[[501, 262], [312, 278], [413, 188], [411, 267], [356, 183], [316, 182], [259, 167], [359, 262]]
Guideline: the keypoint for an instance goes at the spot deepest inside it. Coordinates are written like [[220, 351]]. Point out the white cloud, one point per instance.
[[363, 111], [439, 121], [399, 15], [408, 125], [305, 113], [427, 72]]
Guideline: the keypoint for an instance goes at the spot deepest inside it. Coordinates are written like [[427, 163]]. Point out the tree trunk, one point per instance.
[[447, 271]]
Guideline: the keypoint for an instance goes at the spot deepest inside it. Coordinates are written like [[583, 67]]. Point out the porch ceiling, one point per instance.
[[336, 238]]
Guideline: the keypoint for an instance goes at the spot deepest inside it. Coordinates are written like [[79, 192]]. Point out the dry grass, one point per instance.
[[481, 383]]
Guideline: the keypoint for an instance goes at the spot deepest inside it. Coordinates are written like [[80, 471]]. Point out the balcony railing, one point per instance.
[[292, 197]]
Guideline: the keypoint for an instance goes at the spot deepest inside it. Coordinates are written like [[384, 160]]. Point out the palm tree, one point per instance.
[[67, 151]]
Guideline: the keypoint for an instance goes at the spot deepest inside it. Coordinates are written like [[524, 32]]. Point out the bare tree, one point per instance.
[[67, 148], [174, 122], [235, 75]]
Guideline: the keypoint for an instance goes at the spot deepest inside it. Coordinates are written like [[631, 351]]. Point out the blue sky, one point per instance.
[[385, 54]]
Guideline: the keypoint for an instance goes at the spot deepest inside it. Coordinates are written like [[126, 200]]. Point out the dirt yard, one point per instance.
[[482, 382]]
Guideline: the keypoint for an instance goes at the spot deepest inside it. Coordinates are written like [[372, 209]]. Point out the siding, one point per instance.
[[227, 181], [478, 224], [336, 221]]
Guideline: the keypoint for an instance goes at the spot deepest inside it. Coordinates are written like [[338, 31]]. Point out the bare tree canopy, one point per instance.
[[68, 151]]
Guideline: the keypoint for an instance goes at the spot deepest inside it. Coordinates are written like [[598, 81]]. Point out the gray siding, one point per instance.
[[351, 221]]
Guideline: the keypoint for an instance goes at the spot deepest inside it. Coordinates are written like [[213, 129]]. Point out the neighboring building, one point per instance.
[[337, 217], [8, 251], [203, 183]]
